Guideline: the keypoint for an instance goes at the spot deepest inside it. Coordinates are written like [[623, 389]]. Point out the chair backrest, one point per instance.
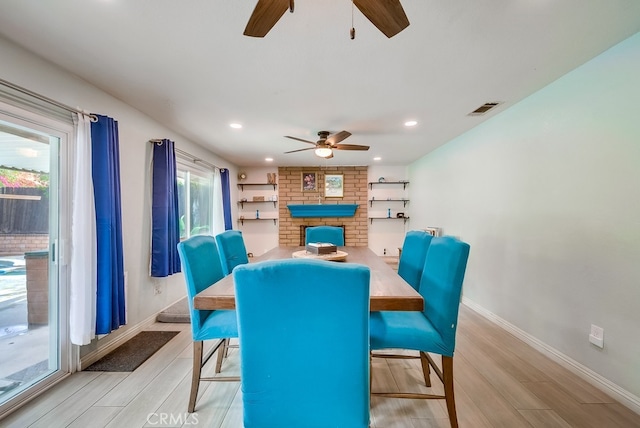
[[201, 266], [317, 373], [414, 252], [331, 234], [441, 285], [232, 250]]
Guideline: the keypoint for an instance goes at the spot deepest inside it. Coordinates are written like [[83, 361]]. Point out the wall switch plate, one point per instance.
[[596, 337]]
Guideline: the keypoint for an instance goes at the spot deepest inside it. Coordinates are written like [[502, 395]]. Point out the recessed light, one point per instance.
[[410, 123], [235, 125], [377, 158], [268, 159]]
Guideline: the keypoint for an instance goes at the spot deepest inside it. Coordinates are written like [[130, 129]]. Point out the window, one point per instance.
[[34, 213], [195, 200]]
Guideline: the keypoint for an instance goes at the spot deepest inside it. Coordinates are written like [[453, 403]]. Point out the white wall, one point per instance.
[[135, 129], [547, 193], [259, 236], [388, 234]]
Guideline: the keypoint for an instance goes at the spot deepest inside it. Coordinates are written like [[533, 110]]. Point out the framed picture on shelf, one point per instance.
[[333, 185], [309, 181], [434, 231]]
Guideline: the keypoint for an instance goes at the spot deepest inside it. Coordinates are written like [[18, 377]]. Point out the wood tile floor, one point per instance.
[[499, 380]]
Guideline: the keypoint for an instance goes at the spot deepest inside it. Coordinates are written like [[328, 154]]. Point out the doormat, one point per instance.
[[176, 313], [131, 354]]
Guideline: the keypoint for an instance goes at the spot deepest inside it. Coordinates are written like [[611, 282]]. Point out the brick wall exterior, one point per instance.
[[355, 191], [20, 244], [37, 265]]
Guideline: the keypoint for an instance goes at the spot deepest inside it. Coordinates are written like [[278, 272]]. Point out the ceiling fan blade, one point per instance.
[[350, 147], [300, 150], [387, 15], [264, 17], [300, 139], [336, 138]]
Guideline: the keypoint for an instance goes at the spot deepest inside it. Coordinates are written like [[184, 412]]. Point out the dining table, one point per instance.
[[388, 291]]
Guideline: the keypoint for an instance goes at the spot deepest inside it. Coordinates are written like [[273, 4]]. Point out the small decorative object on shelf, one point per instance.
[[257, 213], [388, 212], [271, 177], [381, 180], [435, 231], [242, 176], [400, 215]]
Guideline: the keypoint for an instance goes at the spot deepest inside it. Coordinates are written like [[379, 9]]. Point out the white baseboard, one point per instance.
[[616, 392], [94, 356]]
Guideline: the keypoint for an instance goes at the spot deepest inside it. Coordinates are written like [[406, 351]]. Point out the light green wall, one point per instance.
[[547, 193]]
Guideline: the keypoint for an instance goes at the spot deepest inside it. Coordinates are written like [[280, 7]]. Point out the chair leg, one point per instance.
[[426, 369], [222, 352], [195, 375], [447, 374], [370, 374]]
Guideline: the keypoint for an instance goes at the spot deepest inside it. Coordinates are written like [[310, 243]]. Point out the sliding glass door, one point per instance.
[[33, 338]]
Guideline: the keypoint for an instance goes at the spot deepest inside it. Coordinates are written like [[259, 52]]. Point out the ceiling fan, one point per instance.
[[327, 143], [387, 15]]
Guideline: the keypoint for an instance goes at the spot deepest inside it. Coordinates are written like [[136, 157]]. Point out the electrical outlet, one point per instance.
[[596, 336]]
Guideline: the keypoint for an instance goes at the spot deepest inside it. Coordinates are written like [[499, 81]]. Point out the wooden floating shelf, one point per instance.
[[242, 220], [388, 218], [404, 201], [241, 203], [404, 183], [322, 210], [241, 185]]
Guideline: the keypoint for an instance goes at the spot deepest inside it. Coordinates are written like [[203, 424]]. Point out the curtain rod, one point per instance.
[[195, 159], [26, 91]]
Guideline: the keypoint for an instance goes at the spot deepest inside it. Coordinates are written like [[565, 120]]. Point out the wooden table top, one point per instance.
[[389, 292]]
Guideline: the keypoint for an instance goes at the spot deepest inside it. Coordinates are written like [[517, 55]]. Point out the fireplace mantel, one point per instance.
[[322, 210]]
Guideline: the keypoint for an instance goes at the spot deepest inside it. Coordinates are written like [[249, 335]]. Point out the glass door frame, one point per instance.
[[68, 354]]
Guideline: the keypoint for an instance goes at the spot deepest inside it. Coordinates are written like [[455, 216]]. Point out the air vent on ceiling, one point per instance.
[[483, 109]]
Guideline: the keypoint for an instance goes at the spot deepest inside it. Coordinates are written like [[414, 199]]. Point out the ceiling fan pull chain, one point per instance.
[[291, 6], [353, 29]]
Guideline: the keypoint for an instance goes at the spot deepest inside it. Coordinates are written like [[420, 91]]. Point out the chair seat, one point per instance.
[[405, 330], [218, 325]]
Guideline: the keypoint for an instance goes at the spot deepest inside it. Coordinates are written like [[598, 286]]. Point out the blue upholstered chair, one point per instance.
[[330, 234], [434, 329], [232, 250], [414, 251], [322, 309], [201, 266]]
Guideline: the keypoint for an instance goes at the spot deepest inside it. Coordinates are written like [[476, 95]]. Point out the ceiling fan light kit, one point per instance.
[[323, 152], [327, 143], [387, 15]]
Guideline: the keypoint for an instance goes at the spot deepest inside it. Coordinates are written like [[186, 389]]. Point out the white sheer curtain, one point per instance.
[[218, 212], [82, 316]]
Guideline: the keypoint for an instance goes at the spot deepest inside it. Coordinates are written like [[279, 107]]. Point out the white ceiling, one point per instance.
[[186, 64]]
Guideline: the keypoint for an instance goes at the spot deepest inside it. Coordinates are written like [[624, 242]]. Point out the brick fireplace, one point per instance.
[[356, 229]]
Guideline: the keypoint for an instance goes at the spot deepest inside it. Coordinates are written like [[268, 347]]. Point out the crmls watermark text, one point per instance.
[[172, 419]]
